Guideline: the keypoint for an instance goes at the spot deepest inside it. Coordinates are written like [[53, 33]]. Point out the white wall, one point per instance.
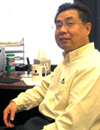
[[33, 20]]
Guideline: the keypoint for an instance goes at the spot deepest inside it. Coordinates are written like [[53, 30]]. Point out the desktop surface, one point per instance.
[[19, 85]]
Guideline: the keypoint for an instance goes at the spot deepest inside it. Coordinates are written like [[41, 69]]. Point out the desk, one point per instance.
[[20, 85]]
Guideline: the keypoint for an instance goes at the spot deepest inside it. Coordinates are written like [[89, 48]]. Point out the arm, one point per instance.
[[9, 114], [33, 97], [24, 101], [83, 109]]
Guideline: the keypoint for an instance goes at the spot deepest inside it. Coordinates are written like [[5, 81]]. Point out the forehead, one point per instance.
[[68, 14]]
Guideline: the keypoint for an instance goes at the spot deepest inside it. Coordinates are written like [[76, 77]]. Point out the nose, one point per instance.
[[63, 29]]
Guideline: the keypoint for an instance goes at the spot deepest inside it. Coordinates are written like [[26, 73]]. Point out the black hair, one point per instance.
[[83, 11]]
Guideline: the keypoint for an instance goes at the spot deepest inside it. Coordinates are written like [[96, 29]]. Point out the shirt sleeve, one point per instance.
[[83, 110], [33, 97]]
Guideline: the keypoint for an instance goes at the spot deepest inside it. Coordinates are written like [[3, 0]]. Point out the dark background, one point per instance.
[[94, 6]]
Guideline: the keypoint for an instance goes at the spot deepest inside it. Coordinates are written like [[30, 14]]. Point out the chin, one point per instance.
[[65, 48]]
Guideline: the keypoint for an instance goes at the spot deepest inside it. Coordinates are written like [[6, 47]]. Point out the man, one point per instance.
[[69, 97]]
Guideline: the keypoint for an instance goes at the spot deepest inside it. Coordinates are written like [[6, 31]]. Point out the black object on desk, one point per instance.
[[29, 66], [8, 80]]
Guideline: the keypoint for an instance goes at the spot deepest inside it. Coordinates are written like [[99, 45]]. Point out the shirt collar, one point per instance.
[[69, 57]]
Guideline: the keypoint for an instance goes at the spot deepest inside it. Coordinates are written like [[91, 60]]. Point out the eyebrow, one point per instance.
[[58, 21], [67, 18]]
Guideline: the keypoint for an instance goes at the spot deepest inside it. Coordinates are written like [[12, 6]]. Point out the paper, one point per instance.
[[29, 82], [8, 44], [42, 54]]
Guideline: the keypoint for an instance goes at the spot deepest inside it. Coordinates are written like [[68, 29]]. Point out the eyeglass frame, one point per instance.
[[68, 25]]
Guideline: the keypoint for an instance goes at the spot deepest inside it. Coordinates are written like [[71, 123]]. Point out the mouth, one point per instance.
[[64, 39]]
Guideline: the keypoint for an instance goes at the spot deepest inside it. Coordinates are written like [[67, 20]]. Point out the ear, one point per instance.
[[88, 28]]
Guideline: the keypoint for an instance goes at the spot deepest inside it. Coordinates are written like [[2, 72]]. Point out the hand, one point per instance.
[[9, 114]]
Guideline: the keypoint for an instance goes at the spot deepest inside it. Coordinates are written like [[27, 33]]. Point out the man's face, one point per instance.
[[70, 32]]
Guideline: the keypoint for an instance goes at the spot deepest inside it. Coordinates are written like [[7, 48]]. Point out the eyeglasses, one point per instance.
[[68, 25]]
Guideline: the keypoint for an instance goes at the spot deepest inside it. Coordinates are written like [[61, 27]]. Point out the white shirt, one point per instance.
[[71, 94]]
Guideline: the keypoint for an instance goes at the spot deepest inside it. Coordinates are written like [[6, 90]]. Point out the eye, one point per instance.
[[58, 25], [69, 24]]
